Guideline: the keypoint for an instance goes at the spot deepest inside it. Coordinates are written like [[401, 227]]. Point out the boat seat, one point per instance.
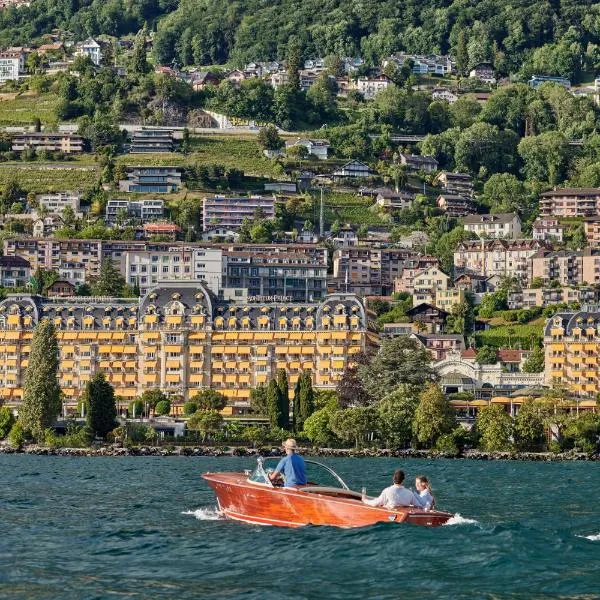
[[330, 491]]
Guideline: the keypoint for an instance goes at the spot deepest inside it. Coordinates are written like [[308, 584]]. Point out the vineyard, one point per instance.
[[39, 179], [23, 109], [345, 208]]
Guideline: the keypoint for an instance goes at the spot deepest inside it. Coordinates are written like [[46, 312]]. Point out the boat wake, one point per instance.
[[205, 514], [458, 520], [592, 538]]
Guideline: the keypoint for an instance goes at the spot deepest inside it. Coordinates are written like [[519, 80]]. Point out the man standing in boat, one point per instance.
[[290, 466]]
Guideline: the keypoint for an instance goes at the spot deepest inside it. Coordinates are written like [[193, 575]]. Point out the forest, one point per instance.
[[517, 36]]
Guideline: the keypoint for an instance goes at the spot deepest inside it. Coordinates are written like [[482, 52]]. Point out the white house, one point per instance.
[[92, 49], [444, 94], [370, 87], [484, 72], [354, 168], [58, 201], [501, 225], [317, 148], [10, 66]]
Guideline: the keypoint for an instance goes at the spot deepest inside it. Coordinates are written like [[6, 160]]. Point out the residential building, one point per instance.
[[430, 319], [572, 343], [444, 94], [47, 226], [10, 66], [415, 265], [315, 147], [505, 258], [529, 297], [354, 168], [550, 230], [280, 78], [61, 288], [169, 230], [416, 162], [307, 78], [14, 271], [219, 234], [392, 330], [369, 87], [181, 338], [134, 210], [537, 80], [425, 63], [202, 79], [476, 283], [570, 202], [92, 49], [151, 180], [440, 345], [484, 72], [449, 297], [67, 143], [73, 272], [455, 205], [230, 211], [430, 279], [368, 271], [563, 266], [346, 236], [499, 225], [394, 200], [455, 183], [147, 140], [592, 231], [281, 187], [57, 202]]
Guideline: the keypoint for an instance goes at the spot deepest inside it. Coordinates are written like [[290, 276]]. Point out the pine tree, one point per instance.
[[293, 63], [304, 406], [284, 398], [462, 54], [139, 63], [110, 282], [101, 407], [274, 403], [41, 395]]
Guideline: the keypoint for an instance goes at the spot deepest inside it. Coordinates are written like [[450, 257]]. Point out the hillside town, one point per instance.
[[187, 229]]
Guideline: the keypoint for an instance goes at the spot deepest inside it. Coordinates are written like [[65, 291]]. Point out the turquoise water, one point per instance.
[[95, 528]]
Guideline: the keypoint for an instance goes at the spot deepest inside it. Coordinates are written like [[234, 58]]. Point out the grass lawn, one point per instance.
[[21, 109], [34, 177]]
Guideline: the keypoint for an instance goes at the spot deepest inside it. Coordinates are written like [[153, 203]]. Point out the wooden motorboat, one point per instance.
[[253, 498]]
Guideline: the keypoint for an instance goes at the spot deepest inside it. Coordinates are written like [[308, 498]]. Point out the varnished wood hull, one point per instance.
[[291, 507]]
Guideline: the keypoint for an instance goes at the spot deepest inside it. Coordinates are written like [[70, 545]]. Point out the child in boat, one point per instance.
[[424, 492]]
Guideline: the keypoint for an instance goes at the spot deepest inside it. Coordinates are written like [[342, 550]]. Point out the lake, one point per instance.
[[133, 527]]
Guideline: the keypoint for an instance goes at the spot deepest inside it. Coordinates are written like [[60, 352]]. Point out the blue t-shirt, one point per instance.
[[292, 468]]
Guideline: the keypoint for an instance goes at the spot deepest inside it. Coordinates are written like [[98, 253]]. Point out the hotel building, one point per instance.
[[181, 338]]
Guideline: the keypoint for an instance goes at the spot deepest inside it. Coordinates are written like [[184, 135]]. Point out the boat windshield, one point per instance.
[[316, 473]]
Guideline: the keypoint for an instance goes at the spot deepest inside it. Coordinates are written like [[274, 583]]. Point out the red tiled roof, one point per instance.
[[468, 353], [508, 355]]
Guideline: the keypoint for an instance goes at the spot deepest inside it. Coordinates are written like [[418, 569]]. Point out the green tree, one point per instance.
[[101, 409], [535, 361], [189, 408], [462, 52], [354, 424], [495, 428], [110, 282], [583, 433], [273, 399], [162, 408], [487, 355], [6, 421], [545, 157], [434, 416], [17, 435], [258, 400], [139, 61], [41, 394], [317, 427], [303, 399], [284, 398], [209, 400], [269, 139], [503, 193], [206, 422], [293, 62], [395, 413], [529, 429], [399, 361], [150, 398]]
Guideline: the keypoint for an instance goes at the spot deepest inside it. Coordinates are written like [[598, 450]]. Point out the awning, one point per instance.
[[171, 349], [308, 350], [230, 378], [243, 350], [173, 377], [230, 364], [196, 378], [173, 364]]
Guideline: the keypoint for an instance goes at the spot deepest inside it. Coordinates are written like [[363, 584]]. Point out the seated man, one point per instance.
[[395, 495], [291, 466]]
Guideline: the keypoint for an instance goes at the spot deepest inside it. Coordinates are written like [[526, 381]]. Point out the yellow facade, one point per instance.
[[181, 339]]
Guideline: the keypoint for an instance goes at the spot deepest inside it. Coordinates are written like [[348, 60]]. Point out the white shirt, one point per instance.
[[426, 499], [395, 495]]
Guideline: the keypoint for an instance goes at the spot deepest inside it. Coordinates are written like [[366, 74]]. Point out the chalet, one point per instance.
[[392, 200], [455, 205], [61, 288], [484, 72], [236, 77], [415, 162], [202, 79], [455, 183], [354, 169], [431, 317], [439, 345]]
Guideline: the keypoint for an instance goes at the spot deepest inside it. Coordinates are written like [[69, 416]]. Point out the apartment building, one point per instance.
[[368, 271], [147, 140], [455, 183], [564, 266], [151, 180], [230, 211], [528, 297], [572, 344], [67, 143], [592, 231], [14, 271], [430, 279], [501, 225], [57, 202], [570, 202], [142, 211], [505, 258], [455, 205], [549, 229], [440, 345], [413, 267], [369, 87], [10, 66], [181, 338]]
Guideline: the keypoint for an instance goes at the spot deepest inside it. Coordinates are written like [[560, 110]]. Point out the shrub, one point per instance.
[[189, 408], [163, 407], [16, 436], [6, 421], [446, 443], [136, 407]]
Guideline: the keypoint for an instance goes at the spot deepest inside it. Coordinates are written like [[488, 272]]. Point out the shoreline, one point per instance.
[[215, 451]]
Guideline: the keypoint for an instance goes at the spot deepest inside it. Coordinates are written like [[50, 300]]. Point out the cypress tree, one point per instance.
[[305, 398], [139, 62], [284, 398], [101, 407], [41, 394], [274, 403]]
